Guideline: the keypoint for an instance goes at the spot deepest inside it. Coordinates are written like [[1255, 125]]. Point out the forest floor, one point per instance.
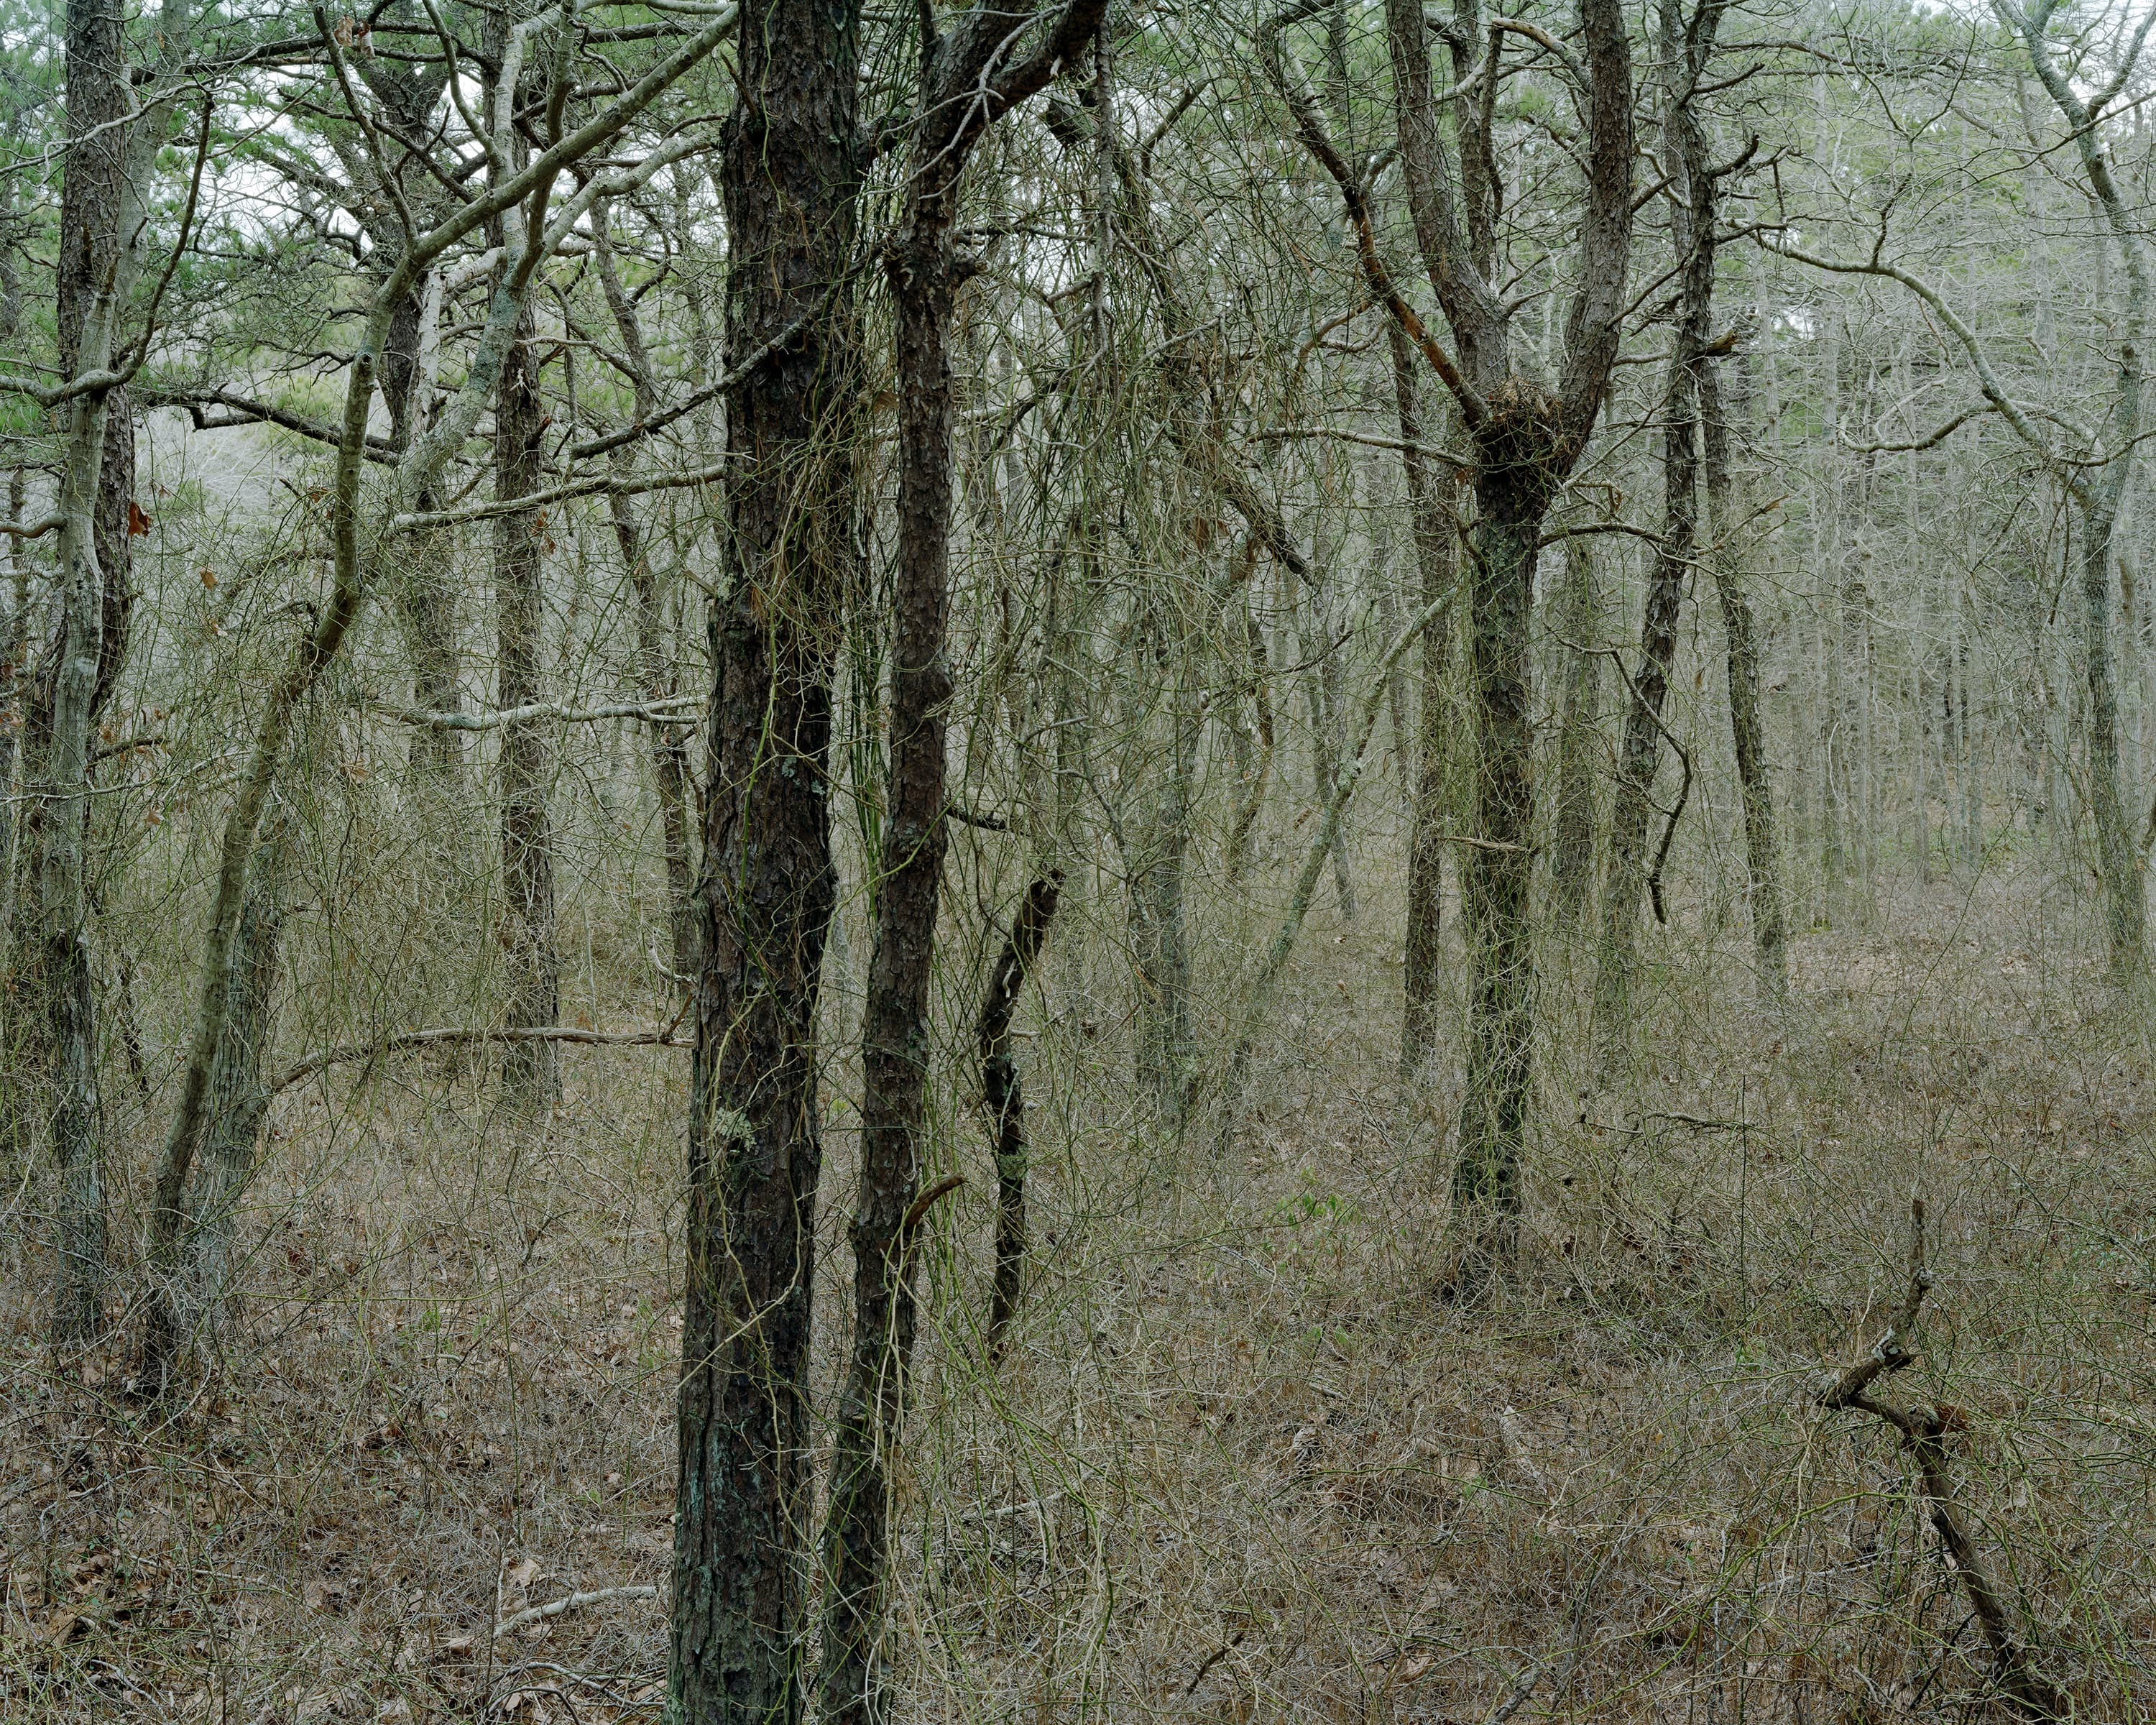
[[1244, 1460]]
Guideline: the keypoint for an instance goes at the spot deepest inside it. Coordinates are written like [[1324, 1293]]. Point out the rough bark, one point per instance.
[[1572, 838], [895, 1028], [1764, 894], [960, 97], [14, 686], [92, 276], [1432, 505], [1691, 232], [194, 1303], [531, 1071], [95, 192], [789, 181], [1525, 438]]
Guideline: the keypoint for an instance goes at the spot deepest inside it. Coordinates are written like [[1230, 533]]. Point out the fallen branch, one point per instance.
[[1923, 1432], [572, 1602], [656, 713], [348, 1053]]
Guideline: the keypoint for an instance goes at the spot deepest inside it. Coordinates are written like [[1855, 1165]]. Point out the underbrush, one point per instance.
[[1242, 1459]]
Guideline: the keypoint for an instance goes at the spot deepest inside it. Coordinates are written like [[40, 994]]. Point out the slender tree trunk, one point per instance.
[[668, 752], [923, 273], [669, 765], [422, 583], [1157, 859], [1005, 1093], [1572, 840], [192, 1296], [14, 686], [741, 1546], [1433, 503], [2125, 901], [1625, 882], [19, 1052], [531, 1071], [239, 1098], [1252, 749], [1691, 230], [1328, 715], [894, 1030]]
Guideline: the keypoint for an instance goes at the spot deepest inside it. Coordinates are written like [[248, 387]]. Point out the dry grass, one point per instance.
[[1243, 1462]]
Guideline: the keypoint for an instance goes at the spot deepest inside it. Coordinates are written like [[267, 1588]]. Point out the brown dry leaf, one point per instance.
[[521, 1573], [1416, 1665], [64, 1625]]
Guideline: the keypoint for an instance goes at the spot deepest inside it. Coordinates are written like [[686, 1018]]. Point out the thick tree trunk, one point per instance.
[[531, 1071], [59, 955], [94, 194], [1005, 1094], [97, 486], [741, 1543], [1498, 872]]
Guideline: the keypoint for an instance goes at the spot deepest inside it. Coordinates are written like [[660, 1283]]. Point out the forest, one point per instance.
[[1058, 860]]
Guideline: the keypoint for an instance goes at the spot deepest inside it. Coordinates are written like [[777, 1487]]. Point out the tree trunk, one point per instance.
[[895, 1028], [2124, 892], [1692, 231], [1006, 1096], [531, 1071], [14, 686], [1498, 872], [1433, 503], [669, 763], [238, 1100], [95, 193], [1157, 859], [1253, 748], [1572, 838], [97, 486], [422, 582], [741, 1550], [923, 272], [194, 1297]]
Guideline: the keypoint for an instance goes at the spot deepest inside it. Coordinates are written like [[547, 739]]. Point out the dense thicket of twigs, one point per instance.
[[1316, 751]]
